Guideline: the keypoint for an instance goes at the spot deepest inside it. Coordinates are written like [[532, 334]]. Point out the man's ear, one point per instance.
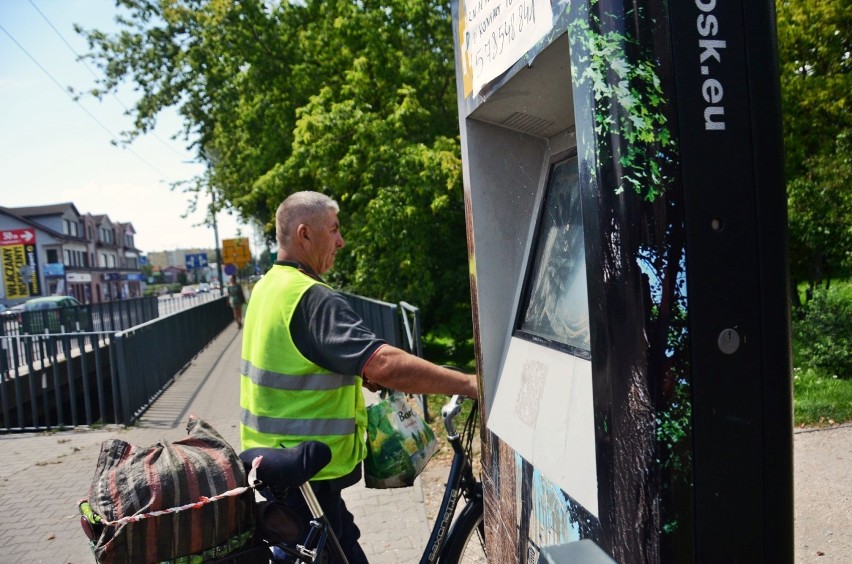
[[302, 232]]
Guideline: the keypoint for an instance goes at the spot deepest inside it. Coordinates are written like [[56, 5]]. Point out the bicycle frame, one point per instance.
[[319, 527], [459, 482]]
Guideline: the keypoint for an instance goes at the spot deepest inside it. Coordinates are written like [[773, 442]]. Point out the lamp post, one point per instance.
[[210, 156], [218, 248]]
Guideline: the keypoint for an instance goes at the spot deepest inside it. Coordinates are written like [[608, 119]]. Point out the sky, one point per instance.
[[54, 150]]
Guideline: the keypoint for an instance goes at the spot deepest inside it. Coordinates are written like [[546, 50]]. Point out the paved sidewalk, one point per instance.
[[42, 476]]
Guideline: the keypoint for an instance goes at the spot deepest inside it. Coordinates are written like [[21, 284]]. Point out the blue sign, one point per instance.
[[54, 269], [196, 260], [230, 269], [143, 259]]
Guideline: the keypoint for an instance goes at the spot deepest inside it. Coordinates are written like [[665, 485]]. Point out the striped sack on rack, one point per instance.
[[174, 489]]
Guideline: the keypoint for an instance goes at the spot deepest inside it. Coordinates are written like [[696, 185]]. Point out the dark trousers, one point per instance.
[[341, 520]]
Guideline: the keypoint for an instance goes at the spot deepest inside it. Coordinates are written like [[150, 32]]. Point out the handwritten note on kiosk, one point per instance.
[[496, 33]]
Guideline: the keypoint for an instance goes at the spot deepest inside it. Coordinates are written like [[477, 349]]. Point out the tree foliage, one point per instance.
[[355, 99], [815, 45], [820, 204]]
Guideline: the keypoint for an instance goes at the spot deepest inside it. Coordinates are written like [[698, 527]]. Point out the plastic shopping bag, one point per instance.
[[399, 443]]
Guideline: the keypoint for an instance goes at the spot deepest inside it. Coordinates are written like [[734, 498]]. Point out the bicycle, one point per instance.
[[451, 540]]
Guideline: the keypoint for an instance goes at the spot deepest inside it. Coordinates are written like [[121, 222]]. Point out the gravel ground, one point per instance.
[[823, 493]]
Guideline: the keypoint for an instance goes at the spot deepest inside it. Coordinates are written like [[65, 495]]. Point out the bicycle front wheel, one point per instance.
[[466, 544]]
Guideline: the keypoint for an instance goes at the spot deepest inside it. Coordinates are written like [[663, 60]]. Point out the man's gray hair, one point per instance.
[[298, 208]]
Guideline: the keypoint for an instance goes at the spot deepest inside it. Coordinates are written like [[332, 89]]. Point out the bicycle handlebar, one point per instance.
[[449, 412]]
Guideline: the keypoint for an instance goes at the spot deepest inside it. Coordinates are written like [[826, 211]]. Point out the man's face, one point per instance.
[[324, 235]]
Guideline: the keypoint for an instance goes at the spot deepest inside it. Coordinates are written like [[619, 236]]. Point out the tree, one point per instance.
[[820, 203], [355, 99], [814, 47]]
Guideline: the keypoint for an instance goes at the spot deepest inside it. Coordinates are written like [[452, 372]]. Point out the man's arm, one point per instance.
[[396, 369]]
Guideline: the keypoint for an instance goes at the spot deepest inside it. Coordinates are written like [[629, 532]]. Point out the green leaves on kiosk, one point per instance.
[[629, 103]]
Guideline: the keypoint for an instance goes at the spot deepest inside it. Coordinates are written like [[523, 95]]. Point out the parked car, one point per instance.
[[188, 292], [40, 313], [13, 312], [203, 288], [50, 302], [6, 314]]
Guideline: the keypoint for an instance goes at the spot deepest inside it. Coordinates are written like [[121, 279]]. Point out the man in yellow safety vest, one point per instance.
[[306, 355]]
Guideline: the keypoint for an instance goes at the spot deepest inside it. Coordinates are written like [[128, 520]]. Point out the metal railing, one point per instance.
[[107, 316], [57, 380], [411, 323], [177, 339], [399, 325], [94, 375], [20, 350], [382, 317], [410, 316]]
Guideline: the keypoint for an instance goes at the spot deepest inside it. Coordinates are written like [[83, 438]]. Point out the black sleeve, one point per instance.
[[328, 332]]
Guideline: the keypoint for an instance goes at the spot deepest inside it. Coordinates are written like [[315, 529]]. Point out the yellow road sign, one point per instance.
[[236, 251]]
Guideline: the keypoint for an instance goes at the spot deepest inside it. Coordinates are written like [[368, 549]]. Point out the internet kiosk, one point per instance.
[[626, 227]]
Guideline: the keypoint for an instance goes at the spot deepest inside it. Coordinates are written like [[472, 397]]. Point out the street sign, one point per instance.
[[19, 261], [195, 260], [236, 251], [230, 269]]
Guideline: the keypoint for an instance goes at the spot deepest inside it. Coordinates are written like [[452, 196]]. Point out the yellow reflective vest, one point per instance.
[[285, 398]]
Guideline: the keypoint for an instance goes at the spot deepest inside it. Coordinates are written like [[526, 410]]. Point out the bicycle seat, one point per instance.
[[288, 467]]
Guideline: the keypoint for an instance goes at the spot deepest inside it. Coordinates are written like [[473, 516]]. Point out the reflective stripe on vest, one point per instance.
[[279, 381], [280, 426]]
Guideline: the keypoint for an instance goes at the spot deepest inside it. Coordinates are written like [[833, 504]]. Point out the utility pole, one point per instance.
[[218, 248], [211, 155]]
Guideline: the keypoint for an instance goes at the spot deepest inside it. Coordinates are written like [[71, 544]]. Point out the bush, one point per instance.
[[443, 349], [822, 333]]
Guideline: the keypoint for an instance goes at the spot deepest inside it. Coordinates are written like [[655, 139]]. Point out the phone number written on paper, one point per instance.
[[499, 32]]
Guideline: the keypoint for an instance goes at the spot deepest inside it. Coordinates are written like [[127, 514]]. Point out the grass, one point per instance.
[[821, 400]]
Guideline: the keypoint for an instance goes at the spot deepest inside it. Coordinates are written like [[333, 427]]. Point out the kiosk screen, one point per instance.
[[555, 309]]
